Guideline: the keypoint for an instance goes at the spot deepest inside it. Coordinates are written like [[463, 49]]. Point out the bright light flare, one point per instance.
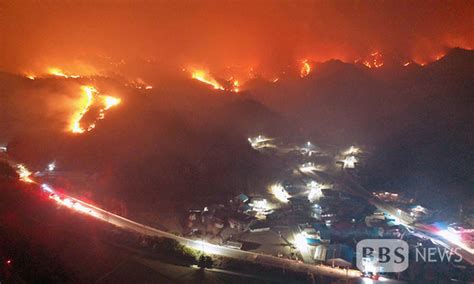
[[47, 188], [80, 208], [67, 202], [24, 174], [71, 204], [455, 239], [449, 236], [204, 247], [279, 192]]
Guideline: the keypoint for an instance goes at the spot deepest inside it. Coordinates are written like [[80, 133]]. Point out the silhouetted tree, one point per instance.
[[205, 261]]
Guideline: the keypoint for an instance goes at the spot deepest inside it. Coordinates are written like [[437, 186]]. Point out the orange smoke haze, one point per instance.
[[265, 34]]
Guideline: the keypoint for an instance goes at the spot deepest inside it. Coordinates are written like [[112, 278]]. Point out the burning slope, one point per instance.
[[374, 60], [88, 95], [206, 78], [58, 72], [236, 85], [233, 85], [305, 68], [91, 98]]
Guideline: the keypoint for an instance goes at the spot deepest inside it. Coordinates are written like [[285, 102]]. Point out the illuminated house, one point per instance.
[[335, 255], [310, 234], [242, 198], [349, 162]]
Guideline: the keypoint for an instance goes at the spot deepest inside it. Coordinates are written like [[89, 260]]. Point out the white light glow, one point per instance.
[[24, 173], [46, 188], [315, 191], [279, 192], [349, 162], [204, 247], [51, 166], [260, 142], [311, 167], [301, 243], [352, 151]]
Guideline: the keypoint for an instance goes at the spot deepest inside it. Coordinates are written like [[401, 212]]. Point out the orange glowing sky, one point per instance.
[[230, 33]]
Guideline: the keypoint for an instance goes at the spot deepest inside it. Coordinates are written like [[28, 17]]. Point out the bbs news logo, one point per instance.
[[389, 255], [392, 255]]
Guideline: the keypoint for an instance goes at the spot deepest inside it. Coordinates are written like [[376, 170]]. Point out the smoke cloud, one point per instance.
[[228, 33]]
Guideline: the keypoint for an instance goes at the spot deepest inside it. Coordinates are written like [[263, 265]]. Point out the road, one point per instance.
[[423, 230], [127, 224]]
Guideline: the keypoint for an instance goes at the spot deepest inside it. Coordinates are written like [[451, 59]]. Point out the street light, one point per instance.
[[51, 166]]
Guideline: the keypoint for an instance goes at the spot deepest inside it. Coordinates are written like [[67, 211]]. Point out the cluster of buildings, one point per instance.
[[311, 211], [242, 213]]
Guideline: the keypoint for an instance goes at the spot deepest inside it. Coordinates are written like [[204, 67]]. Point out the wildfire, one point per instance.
[[88, 94], [439, 56], [236, 86], [58, 72], [205, 77], [91, 95], [138, 83], [30, 76], [110, 102], [305, 68], [375, 60]]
